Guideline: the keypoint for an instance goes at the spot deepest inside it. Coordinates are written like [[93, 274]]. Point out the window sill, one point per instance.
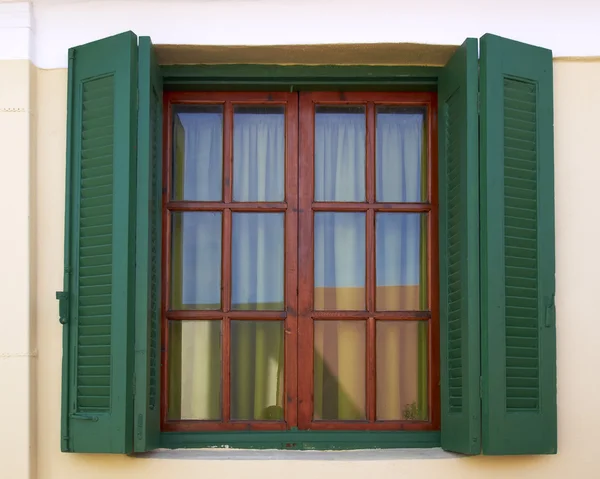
[[302, 440], [220, 454]]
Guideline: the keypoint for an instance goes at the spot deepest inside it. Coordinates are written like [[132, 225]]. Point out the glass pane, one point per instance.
[[401, 261], [198, 153], [196, 261], [194, 370], [401, 155], [257, 386], [340, 148], [340, 261], [402, 364], [257, 267], [339, 368], [258, 153]]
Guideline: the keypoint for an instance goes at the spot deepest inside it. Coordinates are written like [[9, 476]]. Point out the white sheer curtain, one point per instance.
[[195, 345], [401, 389], [398, 249], [398, 151], [258, 149], [399, 179], [201, 259], [340, 156], [339, 263], [257, 261], [203, 164], [339, 237], [257, 267], [257, 239]]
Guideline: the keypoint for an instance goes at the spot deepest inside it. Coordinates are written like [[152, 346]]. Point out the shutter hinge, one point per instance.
[[140, 427], [480, 387], [84, 417], [550, 315], [65, 444], [478, 103], [63, 306]]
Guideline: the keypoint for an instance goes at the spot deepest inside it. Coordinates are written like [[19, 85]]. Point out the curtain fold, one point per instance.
[[257, 261], [340, 156], [199, 173], [259, 155], [400, 146], [257, 370]]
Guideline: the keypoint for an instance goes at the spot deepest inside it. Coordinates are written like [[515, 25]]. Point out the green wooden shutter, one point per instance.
[[148, 248], [517, 249], [459, 251], [97, 305]]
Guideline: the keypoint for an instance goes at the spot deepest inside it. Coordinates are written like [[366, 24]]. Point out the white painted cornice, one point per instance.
[[568, 28], [16, 31]]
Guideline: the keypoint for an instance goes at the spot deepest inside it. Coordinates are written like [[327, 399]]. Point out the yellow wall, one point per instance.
[[17, 265], [577, 130]]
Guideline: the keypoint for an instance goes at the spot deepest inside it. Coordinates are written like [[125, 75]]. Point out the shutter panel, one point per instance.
[[459, 252], [517, 227], [97, 305], [148, 251]]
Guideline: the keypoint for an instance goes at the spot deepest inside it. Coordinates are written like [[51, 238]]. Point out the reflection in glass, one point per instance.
[[257, 248], [196, 260], [257, 386], [402, 356], [401, 254], [194, 370], [401, 156], [339, 261], [258, 153], [340, 148], [198, 153], [339, 370]]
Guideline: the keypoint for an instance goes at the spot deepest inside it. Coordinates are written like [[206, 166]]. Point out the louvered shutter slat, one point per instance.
[[148, 251], [99, 261], [459, 252], [517, 234]]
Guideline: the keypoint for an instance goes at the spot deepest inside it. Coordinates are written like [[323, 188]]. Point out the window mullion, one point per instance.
[[370, 156], [371, 371], [228, 152]]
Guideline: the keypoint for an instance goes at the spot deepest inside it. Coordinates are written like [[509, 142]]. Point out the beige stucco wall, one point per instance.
[[32, 157], [17, 265], [32, 197], [33, 201]]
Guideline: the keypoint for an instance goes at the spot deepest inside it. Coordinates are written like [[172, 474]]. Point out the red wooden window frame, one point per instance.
[[308, 101], [299, 208], [227, 207]]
